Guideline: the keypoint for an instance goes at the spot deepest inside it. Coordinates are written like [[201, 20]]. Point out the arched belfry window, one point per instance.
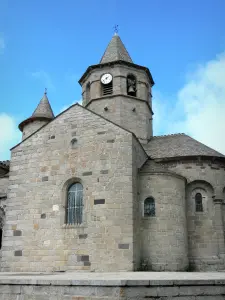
[[149, 207], [74, 208], [88, 92], [198, 202], [131, 85]]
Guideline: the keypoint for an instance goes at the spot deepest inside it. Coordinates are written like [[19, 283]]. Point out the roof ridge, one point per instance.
[[167, 135]]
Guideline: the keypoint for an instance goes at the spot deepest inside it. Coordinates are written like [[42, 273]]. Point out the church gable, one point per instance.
[[74, 117], [74, 177]]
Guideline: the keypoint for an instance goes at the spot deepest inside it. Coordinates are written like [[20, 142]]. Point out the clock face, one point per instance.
[[106, 78]]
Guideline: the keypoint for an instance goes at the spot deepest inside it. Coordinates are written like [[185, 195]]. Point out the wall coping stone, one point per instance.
[[115, 279]]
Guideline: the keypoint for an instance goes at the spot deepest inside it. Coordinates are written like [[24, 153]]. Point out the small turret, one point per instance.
[[41, 116]]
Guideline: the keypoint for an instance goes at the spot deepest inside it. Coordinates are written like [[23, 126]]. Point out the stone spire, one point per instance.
[[44, 108], [41, 116], [115, 51]]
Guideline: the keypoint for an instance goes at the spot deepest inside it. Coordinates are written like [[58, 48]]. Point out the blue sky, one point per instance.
[[51, 43]]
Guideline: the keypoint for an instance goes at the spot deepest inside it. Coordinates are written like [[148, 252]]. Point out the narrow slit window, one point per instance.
[[74, 209], [88, 92], [198, 202], [149, 207]]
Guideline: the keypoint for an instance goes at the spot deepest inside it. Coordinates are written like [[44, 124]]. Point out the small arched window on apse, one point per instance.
[[198, 202], [131, 85], [149, 207], [74, 206], [88, 92]]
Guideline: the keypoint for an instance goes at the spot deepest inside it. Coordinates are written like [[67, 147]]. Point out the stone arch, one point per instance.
[[202, 187], [131, 85], [149, 207], [64, 191], [200, 224]]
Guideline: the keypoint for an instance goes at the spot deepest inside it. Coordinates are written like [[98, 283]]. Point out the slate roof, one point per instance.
[[42, 112], [5, 164], [44, 108], [115, 51], [178, 145]]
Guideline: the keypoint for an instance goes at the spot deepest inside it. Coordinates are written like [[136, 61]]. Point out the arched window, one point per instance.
[[131, 85], [88, 92], [198, 202], [149, 207], [74, 208]]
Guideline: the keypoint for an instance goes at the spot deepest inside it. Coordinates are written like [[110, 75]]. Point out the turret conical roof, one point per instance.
[[44, 108], [42, 112], [115, 51]]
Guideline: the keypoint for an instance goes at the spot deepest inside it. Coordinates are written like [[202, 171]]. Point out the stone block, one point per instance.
[[87, 173], [83, 236], [45, 178], [17, 233], [123, 246], [99, 201], [43, 216], [83, 258], [9, 289], [36, 226], [104, 171], [18, 253]]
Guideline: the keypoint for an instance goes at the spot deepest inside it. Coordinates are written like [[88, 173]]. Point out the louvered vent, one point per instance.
[[107, 89]]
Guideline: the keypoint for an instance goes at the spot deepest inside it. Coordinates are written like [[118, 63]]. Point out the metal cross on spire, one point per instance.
[[45, 91], [116, 29]]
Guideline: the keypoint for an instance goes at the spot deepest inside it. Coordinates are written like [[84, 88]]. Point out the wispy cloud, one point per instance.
[[45, 78], [2, 45], [198, 108], [9, 137]]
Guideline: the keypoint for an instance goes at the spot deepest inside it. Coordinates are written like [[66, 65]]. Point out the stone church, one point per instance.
[[92, 189]]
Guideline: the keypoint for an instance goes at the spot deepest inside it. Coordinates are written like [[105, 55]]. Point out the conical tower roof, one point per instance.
[[115, 51], [42, 112], [44, 108]]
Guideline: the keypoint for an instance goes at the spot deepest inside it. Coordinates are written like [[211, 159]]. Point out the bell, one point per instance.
[[131, 90]]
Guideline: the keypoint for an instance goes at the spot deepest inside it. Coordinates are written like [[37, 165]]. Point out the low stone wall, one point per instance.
[[69, 287]]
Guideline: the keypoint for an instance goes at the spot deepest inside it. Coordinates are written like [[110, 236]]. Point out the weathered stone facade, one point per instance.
[[107, 146]]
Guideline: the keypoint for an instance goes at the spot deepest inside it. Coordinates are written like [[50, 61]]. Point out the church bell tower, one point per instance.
[[120, 90]]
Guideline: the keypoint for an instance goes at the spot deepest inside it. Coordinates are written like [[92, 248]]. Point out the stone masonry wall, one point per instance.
[[129, 112], [164, 236], [208, 178], [76, 146], [4, 182], [32, 127], [123, 290], [139, 158]]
